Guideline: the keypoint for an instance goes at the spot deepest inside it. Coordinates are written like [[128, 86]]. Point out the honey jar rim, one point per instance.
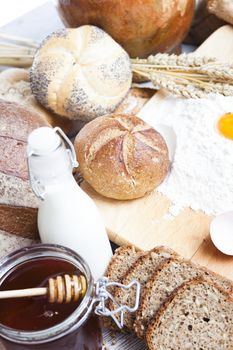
[[72, 322]]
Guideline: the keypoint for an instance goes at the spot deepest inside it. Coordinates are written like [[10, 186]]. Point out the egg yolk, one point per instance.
[[225, 125]]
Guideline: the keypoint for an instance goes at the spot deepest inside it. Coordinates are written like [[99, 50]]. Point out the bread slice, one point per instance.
[[169, 276], [141, 271], [121, 261], [198, 316]]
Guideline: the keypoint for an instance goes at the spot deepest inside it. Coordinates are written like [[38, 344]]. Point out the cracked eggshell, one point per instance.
[[80, 73], [221, 232]]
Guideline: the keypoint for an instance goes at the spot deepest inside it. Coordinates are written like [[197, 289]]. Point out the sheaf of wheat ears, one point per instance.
[[187, 87], [216, 71], [187, 66], [204, 72], [183, 60], [183, 78]]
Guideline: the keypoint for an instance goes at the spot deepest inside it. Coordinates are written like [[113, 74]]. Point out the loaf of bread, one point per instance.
[[199, 315], [18, 204], [169, 276], [121, 156], [222, 9], [15, 87], [141, 270], [80, 73]]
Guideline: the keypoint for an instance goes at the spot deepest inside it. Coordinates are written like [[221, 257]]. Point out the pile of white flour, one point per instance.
[[202, 172]]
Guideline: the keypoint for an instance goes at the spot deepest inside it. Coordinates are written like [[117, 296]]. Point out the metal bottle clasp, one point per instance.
[[36, 185], [103, 295], [70, 149]]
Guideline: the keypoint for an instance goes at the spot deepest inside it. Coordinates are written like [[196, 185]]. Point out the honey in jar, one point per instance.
[[34, 323]]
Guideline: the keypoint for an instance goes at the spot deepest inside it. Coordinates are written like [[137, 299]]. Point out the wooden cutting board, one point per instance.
[[141, 222]]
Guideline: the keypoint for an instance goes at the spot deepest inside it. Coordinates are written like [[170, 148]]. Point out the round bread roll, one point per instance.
[[142, 27], [80, 73], [121, 156]]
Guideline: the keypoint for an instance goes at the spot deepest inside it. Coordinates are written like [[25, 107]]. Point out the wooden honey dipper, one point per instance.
[[60, 289]]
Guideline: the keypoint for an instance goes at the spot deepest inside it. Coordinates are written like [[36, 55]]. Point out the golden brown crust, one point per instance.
[[149, 27], [121, 156]]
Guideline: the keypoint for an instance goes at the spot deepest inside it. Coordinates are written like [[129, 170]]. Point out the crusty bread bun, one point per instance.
[[121, 156], [81, 73]]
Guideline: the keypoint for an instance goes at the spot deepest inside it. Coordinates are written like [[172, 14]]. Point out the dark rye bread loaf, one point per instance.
[[141, 271], [18, 204], [169, 276], [198, 316]]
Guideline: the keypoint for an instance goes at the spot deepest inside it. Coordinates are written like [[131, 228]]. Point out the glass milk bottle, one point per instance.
[[67, 215]]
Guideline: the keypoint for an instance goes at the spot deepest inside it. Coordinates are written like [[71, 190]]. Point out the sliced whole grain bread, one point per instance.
[[169, 276], [198, 316], [141, 270], [121, 261]]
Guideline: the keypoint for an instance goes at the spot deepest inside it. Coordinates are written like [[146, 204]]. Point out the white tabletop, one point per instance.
[[35, 24], [12, 9]]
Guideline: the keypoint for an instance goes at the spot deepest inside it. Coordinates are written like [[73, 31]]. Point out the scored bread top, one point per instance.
[[141, 271], [170, 275], [198, 315], [121, 156]]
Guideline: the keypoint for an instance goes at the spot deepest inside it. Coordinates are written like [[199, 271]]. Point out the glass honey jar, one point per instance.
[[34, 323]]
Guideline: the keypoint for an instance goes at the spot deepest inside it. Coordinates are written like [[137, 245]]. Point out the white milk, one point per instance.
[[67, 215]]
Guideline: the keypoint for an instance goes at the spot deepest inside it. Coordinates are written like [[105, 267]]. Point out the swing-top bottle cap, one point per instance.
[[43, 141]]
